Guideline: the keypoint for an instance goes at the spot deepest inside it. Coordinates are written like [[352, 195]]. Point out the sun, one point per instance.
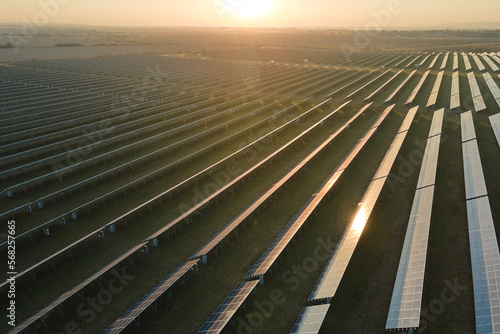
[[251, 8]]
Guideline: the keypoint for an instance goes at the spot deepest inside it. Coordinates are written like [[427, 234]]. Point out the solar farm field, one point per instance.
[[252, 189]]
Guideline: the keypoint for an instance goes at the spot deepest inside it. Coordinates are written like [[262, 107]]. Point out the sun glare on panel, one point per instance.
[[252, 8]]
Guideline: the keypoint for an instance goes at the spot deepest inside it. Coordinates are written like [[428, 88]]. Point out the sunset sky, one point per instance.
[[274, 13]]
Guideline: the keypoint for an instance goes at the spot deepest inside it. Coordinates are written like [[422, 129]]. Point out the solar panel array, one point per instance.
[[417, 88], [173, 224], [217, 238], [334, 270], [495, 91], [435, 90], [490, 63], [495, 125], [445, 60], [96, 201], [485, 255], [310, 319], [477, 98], [268, 258], [455, 91], [150, 298], [468, 66], [478, 62], [400, 86], [455, 61], [404, 310], [180, 219], [219, 319]]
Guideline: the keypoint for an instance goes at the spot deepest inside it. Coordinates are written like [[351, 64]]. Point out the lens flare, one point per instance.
[[252, 8]]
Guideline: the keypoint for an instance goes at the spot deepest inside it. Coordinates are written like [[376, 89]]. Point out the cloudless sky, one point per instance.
[[283, 13]]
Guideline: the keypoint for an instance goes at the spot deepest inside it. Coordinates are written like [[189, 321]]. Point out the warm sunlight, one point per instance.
[[252, 8]]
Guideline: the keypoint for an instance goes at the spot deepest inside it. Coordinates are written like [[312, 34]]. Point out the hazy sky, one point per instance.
[[318, 13]]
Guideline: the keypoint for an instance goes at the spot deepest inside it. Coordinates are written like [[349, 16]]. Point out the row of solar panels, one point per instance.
[[455, 61], [141, 159], [405, 307], [222, 101], [495, 125], [445, 60], [485, 255], [495, 91], [477, 98], [120, 89], [150, 239], [231, 304], [150, 298], [147, 157], [455, 91], [375, 79], [158, 200], [433, 63], [311, 317], [222, 315], [123, 189]]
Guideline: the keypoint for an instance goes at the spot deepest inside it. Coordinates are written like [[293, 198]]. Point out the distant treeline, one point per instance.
[[69, 44]]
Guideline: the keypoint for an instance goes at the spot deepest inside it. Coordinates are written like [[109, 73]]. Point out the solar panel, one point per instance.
[[68, 294], [468, 67], [495, 125], [215, 240], [310, 319], [331, 276], [455, 91], [424, 60], [334, 270], [495, 91], [475, 184], [436, 124], [135, 311], [268, 258], [455, 61], [383, 85], [485, 260], [366, 85], [435, 89], [477, 98], [389, 158], [417, 88], [404, 310], [413, 61], [490, 63], [467, 126], [400, 86], [478, 62], [219, 319], [431, 65], [445, 60], [429, 164]]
